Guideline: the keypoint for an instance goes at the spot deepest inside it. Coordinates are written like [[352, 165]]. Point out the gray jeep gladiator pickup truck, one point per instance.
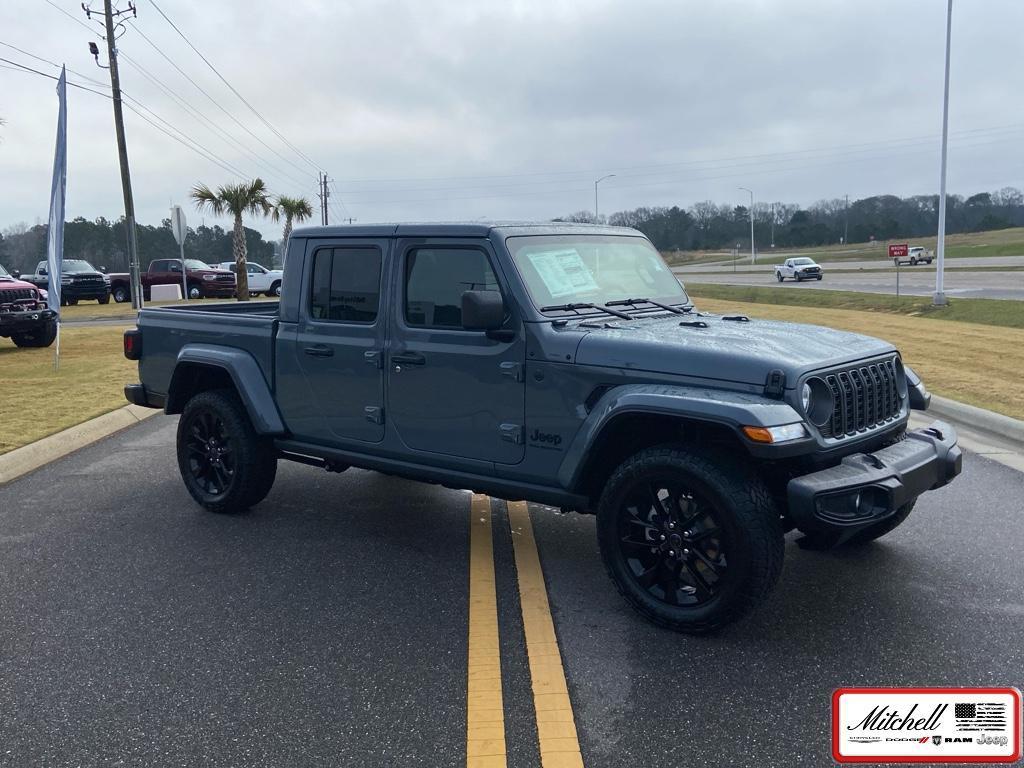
[[561, 364]]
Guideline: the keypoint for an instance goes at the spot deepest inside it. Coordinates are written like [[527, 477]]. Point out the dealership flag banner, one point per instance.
[[55, 231]]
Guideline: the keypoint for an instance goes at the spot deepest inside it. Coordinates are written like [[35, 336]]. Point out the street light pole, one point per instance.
[[596, 216], [939, 299], [753, 256]]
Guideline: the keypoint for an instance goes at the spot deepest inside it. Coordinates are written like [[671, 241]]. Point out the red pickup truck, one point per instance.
[[24, 316], [204, 281]]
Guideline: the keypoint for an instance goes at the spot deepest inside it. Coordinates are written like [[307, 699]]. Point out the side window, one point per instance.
[[436, 278], [346, 284]]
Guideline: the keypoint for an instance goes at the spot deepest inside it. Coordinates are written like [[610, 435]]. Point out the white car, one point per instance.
[[261, 279]]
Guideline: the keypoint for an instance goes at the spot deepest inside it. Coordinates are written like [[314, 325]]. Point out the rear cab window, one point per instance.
[[345, 286]]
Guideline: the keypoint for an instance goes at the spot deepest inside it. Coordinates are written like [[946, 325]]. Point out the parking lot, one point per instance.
[[331, 625]]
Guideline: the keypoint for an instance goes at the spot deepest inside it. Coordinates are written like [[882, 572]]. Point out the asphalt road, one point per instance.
[[766, 260], [328, 627], [914, 281]]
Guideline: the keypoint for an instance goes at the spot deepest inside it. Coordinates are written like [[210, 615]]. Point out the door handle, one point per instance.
[[318, 350], [409, 358]]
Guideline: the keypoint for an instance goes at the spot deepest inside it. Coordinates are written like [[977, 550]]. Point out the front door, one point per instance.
[[339, 341], [451, 391]]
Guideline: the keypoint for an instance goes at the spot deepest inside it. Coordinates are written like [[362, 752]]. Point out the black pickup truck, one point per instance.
[[561, 364], [79, 281]]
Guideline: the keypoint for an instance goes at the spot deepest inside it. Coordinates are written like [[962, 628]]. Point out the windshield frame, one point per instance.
[[513, 244], [4, 272]]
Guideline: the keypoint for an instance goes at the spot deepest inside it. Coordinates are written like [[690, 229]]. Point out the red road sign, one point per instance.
[[898, 250]]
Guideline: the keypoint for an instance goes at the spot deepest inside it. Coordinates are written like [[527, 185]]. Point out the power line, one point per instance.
[[24, 68], [221, 107], [200, 116], [55, 64], [253, 109]]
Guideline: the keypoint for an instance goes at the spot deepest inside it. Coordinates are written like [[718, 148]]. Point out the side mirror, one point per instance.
[[15, 274], [482, 310], [103, 270]]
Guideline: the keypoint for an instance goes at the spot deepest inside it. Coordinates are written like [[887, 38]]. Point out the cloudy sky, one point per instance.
[[438, 109]]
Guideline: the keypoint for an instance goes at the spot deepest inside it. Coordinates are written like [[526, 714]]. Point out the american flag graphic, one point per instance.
[[980, 717]]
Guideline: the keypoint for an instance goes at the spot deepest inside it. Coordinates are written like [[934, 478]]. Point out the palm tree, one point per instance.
[[236, 199], [293, 209]]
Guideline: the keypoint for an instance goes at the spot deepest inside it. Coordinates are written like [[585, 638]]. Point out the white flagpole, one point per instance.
[[55, 230]]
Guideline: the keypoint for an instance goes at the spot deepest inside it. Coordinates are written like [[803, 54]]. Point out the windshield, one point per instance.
[[196, 264], [802, 262], [76, 265], [595, 269]]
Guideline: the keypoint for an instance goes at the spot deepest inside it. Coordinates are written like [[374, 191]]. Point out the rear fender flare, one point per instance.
[[245, 373], [714, 406]]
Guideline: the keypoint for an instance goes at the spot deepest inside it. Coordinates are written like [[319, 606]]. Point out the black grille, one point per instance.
[[865, 397], [225, 278], [14, 294]]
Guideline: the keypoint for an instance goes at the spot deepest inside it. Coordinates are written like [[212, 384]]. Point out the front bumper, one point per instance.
[[868, 487], [24, 320]]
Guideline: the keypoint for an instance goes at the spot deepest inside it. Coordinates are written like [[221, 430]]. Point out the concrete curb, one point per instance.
[[977, 419], [30, 457]]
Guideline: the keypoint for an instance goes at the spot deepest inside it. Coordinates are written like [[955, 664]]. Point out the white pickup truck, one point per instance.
[[261, 279], [799, 269], [915, 255]]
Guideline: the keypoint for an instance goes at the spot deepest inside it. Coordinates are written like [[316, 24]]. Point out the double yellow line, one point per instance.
[[485, 714]]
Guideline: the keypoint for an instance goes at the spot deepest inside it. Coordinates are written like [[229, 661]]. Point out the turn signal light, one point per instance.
[[775, 434]]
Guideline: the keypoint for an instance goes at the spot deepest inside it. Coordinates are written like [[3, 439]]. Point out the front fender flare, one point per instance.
[[246, 375], [714, 406]]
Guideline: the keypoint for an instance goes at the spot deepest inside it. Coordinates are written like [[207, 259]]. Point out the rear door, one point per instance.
[[339, 341], [451, 391]]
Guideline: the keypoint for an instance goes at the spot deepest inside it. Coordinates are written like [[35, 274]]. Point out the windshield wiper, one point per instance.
[[668, 307], [586, 305]]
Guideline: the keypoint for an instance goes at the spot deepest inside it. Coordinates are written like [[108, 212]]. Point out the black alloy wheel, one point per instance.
[[672, 543], [211, 455]]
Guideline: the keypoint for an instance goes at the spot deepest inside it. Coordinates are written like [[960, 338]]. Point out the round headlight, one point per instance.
[[817, 400]]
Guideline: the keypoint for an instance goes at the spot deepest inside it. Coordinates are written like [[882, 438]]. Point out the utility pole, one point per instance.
[[846, 221], [109, 14], [323, 194], [773, 225], [939, 299], [753, 255]]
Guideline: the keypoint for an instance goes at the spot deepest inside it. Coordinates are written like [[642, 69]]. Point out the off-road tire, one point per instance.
[[42, 336], [254, 463], [742, 506]]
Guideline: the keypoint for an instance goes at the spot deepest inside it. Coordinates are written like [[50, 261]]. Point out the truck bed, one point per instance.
[[248, 326]]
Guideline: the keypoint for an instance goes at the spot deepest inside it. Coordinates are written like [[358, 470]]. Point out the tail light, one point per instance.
[[133, 343]]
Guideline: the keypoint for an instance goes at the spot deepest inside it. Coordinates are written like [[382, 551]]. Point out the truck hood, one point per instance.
[[726, 350], [12, 282]]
